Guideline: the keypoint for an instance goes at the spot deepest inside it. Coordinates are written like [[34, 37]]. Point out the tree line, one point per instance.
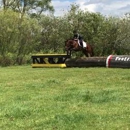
[[25, 32]]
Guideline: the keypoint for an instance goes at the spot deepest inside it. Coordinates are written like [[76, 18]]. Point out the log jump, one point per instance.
[[112, 61], [64, 60], [86, 62]]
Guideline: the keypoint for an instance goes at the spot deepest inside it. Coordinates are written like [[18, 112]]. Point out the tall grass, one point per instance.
[[64, 99]]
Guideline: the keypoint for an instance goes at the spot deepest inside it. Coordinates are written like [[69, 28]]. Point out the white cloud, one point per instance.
[[61, 6], [114, 8], [89, 7], [105, 7]]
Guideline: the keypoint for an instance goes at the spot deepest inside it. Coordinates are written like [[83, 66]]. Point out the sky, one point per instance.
[[105, 7]]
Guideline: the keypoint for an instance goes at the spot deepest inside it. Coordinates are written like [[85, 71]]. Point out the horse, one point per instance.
[[73, 45]]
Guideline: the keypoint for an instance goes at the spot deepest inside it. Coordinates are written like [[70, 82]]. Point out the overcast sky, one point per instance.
[[105, 7]]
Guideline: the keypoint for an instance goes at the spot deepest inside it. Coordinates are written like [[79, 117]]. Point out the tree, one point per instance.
[[31, 7], [17, 38], [123, 38], [54, 32]]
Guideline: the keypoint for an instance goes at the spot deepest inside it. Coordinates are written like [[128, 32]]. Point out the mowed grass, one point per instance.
[[64, 99]]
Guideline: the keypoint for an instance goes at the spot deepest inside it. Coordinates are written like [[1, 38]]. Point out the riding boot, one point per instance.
[[81, 43]]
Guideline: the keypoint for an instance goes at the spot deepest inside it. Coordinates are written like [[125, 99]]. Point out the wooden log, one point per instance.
[[118, 61], [86, 62]]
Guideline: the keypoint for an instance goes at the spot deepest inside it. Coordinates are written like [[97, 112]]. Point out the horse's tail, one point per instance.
[[92, 48], [92, 52]]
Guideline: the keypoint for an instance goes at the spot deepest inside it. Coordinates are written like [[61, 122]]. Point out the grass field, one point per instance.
[[64, 99]]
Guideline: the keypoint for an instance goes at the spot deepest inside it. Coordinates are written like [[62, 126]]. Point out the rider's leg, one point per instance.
[[81, 42]]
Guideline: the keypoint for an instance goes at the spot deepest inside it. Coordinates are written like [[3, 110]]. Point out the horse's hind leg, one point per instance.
[[89, 55]]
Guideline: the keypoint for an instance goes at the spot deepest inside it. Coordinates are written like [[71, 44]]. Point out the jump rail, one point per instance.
[[118, 61], [49, 60]]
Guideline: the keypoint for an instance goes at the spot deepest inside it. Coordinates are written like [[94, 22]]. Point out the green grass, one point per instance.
[[64, 99]]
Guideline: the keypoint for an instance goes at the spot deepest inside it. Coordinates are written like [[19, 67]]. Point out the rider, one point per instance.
[[78, 36]]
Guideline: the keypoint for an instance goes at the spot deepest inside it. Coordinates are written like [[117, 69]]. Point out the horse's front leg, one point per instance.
[[69, 52]]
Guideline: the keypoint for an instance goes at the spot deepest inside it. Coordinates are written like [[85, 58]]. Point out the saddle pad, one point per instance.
[[84, 44]]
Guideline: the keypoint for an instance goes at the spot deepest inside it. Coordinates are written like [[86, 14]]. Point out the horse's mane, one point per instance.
[[69, 40]]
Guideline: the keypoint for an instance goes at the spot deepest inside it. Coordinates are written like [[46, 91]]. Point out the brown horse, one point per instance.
[[73, 45]]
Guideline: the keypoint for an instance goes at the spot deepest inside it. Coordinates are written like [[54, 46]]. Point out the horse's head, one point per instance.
[[71, 44]]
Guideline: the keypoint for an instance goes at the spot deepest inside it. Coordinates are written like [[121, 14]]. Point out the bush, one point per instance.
[[5, 61]]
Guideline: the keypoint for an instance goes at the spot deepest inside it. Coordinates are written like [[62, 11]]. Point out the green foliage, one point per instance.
[[5, 61], [30, 7], [122, 41], [102, 32], [54, 32], [8, 28], [23, 34], [17, 35]]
